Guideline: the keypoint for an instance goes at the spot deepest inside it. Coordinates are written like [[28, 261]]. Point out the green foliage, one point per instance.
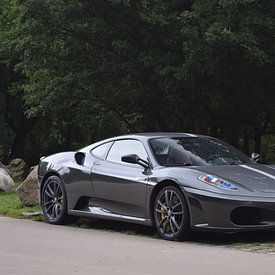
[[229, 51], [79, 71]]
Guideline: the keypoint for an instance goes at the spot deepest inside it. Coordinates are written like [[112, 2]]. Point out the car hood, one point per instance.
[[252, 177]]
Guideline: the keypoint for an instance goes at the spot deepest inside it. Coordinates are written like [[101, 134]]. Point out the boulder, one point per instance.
[[2, 165], [6, 182], [17, 169], [28, 189]]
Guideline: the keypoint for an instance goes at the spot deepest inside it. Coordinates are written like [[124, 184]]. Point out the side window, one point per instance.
[[101, 150], [126, 147]]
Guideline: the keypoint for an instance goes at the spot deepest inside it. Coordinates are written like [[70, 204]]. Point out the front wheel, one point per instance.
[[171, 214], [54, 201]]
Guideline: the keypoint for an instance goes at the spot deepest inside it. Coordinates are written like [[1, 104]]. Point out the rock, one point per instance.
[[17, 169], [6, 182], [2, 165], [28, 189], [32, 214]]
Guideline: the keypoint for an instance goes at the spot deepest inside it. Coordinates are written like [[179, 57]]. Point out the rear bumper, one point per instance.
[[212, 211]]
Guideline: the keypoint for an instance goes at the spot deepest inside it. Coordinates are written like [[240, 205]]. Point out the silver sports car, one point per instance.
[[173, 181]]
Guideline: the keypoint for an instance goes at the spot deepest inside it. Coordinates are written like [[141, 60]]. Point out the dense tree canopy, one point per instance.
[[75, 71]]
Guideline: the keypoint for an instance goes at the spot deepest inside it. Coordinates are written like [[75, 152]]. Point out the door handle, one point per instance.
[[96, 163]]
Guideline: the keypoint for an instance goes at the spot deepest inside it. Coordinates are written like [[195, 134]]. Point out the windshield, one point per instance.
[[195, 151]]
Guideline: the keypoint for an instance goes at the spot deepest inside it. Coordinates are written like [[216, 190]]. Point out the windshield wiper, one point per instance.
[[233, 163]]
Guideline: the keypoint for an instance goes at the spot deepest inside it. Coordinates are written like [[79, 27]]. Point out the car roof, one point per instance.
[[149, 135], [164, 134], [145, 136]]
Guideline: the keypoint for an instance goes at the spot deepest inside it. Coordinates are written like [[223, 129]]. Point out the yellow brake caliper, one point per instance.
[[162, 217], [162, 213]]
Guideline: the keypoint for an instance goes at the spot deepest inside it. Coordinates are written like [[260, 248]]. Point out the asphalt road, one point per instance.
[[28, 247]]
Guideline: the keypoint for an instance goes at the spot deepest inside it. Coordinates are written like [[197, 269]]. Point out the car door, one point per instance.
[[121, 187]]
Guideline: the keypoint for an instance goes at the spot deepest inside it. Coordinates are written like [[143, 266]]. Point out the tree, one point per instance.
[[12, 112], [79, 71], [229, 49]]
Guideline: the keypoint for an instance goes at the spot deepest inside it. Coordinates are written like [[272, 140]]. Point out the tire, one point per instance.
[[171, 215], [54, 202]]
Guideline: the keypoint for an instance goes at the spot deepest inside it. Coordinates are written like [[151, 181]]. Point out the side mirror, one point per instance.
[[135, 159], [79, 158], [256, 157]]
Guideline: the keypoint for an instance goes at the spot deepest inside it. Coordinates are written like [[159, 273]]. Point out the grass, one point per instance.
[[268, 247], [11, 206], [261, 241]]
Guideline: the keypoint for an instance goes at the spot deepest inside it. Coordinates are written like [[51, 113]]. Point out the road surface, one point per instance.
[[28, 247]]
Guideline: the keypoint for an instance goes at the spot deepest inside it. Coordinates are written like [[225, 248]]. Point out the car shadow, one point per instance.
[[250, 237], [210, 238], [116, 226]]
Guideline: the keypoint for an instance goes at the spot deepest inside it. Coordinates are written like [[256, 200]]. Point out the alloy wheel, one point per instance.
[[53, 202], [170, 213]]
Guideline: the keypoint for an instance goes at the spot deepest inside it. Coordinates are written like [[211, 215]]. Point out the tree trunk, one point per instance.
[[257, 140], [19, 142], [246, 143], [18, 145], [231, 136]]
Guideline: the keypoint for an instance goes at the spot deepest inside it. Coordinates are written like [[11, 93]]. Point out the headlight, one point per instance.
[[218, 182]]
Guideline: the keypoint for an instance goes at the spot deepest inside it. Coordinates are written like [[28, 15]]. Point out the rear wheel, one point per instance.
[[54, 202], [171, 214]]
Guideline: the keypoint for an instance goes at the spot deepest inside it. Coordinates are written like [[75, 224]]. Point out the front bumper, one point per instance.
[[213, 211]]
